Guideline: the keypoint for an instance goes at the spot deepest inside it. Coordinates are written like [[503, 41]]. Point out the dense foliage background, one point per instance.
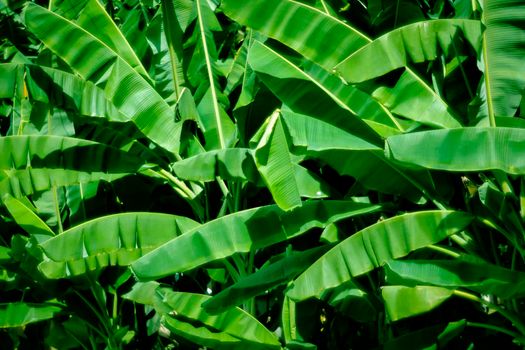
[[262, 174]]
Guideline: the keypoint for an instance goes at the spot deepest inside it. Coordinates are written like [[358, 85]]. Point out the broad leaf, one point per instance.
[[115, 240], [303, 94], [466, 272], [93, 59], [182, 314], [465, 149], [402, 302], [417, 42], [241, 232], [503, 53], [267, 277], [373, 246], [20, 314]]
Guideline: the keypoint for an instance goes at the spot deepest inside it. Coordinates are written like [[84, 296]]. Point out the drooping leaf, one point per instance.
[[115, 240], [20, 314], [373, 246], [342, 151], [466, 272], [327, 42], [92, 59], [465, 149], [302, 93], [267, 277], [417, 42], [240, 232], [321, 31], [402, 302], [182, 314]]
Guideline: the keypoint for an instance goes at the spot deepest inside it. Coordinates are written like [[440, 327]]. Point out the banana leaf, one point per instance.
[[93, 60], [268, 277], [20, 314], [402, 302], [326, 41], [218, 128], [503, 50], [114, 240], [350, 155], [416, 42], [303, 94], [20, 183], [311, 32], [183, 315], [373, 246], [275, 166], [241, 232], [25, 217], [466, 271], [465, 149]]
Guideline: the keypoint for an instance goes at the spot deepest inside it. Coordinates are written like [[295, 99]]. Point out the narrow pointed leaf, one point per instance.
[[241, 232], [374, 246], [273, 161], [25, 217], [466, 149], [115, 240], [402, 302]]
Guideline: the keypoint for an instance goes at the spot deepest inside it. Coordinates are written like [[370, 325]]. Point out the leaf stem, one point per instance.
[[516, 322]]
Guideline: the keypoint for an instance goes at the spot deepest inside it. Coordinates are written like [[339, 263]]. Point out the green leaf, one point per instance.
[[115, 240], [95, 20], [218, 128], [303, 94], [36, 163], [465, 149], [466, 271], [327, 42], [268, 277], [306, 29], [428, 338], [342, 151], [373, 246], [503, 53], [25, 217], [19, 314], [52, 152], [273, 161], [416, 42], [183, 315], [241, 232], [422, 299], [93, 60], [229, 164], [20, 183]]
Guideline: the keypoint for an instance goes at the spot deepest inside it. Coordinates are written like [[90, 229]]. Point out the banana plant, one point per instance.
[[264, 174]]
